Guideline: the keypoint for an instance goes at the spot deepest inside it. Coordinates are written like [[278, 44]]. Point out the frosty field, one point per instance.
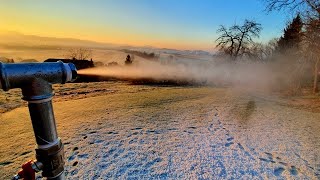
[[122, 131]]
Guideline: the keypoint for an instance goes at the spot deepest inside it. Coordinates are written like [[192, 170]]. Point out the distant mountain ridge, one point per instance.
[[15, 40], [151, 49], [11, 39]]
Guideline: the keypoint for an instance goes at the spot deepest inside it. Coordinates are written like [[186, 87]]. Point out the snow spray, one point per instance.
[[208, 72]]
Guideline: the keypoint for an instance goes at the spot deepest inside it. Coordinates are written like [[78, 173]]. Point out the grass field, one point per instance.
[[117, 130]]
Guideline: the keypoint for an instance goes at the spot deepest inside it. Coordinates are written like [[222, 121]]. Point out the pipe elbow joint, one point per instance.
[[20, 75]]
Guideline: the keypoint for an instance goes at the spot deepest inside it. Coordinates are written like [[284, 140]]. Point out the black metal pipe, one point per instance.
[[43, 123], [18, 75], [35, 80]]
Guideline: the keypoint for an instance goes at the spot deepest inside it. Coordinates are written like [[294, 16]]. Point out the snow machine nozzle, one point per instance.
[[20, 75], [35, 80]]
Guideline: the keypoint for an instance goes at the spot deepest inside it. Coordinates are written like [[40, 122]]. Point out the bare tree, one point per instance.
[[271, 47], [312, 42], [245, 35], [237, 40], [79, 53], [307, 6], [226, 41], [263, 52], [258, 52]]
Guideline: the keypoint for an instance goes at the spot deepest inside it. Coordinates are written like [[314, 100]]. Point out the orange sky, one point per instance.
[[167, 24]]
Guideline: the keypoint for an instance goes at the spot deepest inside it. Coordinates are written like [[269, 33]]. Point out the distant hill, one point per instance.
[[6, 60], [28, 60], [150, 49], [18, 41], [12, 40]]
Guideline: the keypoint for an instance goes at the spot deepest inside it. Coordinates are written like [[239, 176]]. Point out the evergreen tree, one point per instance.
[[292, 36]]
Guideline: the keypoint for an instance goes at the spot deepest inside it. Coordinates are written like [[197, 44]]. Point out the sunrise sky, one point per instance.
[[180, 24]]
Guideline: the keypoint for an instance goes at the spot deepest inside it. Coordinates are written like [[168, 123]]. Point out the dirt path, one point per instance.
[[171, 132]]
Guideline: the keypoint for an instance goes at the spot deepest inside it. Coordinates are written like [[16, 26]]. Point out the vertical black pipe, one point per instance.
[[43, 122], [49, 152]]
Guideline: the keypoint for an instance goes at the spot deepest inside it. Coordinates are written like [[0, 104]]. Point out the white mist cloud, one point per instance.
[[248, 75]]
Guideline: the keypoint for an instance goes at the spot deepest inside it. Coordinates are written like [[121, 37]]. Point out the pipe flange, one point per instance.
[[52, 159], [74, 72]]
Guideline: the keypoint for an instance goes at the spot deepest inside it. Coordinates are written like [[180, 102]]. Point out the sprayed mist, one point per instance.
[[248, 75]]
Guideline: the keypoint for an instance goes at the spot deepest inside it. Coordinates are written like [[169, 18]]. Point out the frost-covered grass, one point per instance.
[[124, 131]]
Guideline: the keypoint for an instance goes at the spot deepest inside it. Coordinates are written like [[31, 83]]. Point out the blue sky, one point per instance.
[[182, 24]]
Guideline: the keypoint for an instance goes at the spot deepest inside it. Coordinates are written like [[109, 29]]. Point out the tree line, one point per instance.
[[299, 43], [150, 56]]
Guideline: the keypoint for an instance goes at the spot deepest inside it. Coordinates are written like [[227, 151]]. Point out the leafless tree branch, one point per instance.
[[79, 53]]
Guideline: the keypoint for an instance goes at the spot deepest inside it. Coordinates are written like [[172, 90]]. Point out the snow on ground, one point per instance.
[[146, 132]]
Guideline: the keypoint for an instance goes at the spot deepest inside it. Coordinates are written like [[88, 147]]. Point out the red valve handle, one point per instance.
[[27, 172]]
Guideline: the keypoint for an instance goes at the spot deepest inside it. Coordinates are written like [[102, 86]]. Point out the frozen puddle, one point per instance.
[[184, 148]]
